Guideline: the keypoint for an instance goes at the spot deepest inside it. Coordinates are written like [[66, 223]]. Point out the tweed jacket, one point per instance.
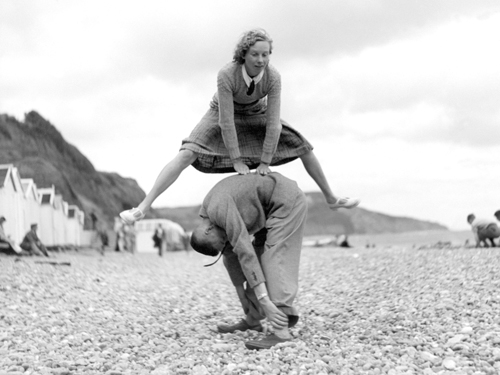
[[241, 205]]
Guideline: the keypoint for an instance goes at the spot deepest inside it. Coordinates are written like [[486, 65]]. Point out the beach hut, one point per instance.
[[60, 208], [11, 201], [144, 231], [74, 227], [31, 204], [23, 204], [46, 198]]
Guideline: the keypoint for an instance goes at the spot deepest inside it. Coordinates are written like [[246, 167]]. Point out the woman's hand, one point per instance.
[[276, 317], [263, 169], [240, 167]]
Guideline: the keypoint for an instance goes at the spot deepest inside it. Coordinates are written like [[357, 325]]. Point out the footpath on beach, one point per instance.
[[363, 311]]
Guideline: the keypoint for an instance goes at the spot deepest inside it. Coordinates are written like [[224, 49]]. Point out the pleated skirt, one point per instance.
[[206, 141]]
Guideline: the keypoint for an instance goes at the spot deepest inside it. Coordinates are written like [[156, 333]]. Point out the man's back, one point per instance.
[[242, 205], [255, 197], [481, 223]]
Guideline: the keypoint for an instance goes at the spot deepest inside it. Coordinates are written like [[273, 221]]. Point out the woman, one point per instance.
[[242, 130]]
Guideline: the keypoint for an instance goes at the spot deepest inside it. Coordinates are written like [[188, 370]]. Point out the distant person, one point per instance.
[[104, 239], [129, 238], [483, 230], [7, 245], [159, 239], [117, 228], [265, 272], [497, 215], [120, 238], [32, 244], [94, 219], [242, 130], [343, 241]]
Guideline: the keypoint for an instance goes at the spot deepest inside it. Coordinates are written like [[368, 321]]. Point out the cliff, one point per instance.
[[40, 152]]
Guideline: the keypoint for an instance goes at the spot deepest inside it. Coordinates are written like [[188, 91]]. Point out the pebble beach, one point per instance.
[[393, 310]]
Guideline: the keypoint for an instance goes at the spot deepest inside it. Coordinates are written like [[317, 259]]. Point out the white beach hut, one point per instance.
[[74, 228], [60, 220], [23, 204], [31, 206], [47, 213], [11, 202]]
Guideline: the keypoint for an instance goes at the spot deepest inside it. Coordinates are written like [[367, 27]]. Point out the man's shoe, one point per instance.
[[242, 325], [266, 343], [344, 203], [131, 216]]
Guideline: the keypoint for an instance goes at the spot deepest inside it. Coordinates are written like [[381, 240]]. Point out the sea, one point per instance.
[[406, 239]]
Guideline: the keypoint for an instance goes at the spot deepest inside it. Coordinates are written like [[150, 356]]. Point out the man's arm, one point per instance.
[[246, 255], [227, 217], [233, 266], [277, 318]]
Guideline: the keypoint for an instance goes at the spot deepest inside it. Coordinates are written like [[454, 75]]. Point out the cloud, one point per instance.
[[82, 46], [437, 85], [400, 99], [339, 28]]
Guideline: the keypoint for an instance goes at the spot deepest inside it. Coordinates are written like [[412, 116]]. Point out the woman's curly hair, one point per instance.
[[247, 40]]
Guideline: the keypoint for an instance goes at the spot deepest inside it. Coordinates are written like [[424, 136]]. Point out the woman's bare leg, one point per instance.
[[314, 170], [167, 177]]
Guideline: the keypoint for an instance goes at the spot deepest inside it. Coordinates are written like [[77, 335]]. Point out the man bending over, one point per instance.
[[265, 272]]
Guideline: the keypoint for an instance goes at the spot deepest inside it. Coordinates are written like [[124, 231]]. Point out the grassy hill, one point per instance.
[[322, 221]]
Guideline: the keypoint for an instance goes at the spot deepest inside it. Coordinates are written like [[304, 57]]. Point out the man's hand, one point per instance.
[[263, 169], [277, 318], [240, 167]]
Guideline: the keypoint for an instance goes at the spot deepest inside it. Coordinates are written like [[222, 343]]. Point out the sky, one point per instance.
[[400, 99]]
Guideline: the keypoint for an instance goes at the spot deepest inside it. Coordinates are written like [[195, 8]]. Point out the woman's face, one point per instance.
[[257, 58]]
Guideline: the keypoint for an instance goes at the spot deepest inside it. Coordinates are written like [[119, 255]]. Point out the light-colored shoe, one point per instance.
[[344, 203], [131, 216]]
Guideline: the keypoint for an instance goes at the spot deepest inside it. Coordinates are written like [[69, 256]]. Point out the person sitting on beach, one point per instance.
[[243, 130], [343, 241], [32, 244], [483, 230], [6, 244], [265, 272]]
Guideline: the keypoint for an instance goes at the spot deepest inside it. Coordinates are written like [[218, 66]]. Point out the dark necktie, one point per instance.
[[251, 88]]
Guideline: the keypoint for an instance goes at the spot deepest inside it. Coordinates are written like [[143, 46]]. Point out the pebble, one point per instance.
[[375, 316], [455, 339], [449, 364], [467, 330], [426, 356]]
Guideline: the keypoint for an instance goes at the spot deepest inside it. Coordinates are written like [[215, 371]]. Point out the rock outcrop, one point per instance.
[[40, 152]]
